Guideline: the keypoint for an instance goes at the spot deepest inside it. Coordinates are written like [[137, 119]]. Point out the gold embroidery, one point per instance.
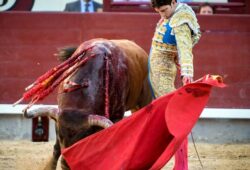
[[162, 71], [165, 47], [184, 44]]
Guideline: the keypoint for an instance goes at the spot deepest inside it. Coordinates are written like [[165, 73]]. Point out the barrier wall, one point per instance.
[[29, 40], [230, 7]]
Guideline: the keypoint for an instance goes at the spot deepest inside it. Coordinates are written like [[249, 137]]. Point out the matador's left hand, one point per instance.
[[187, 80]]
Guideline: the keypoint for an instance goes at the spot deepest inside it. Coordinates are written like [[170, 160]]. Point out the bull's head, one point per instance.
[[81, 99], [72, 125]]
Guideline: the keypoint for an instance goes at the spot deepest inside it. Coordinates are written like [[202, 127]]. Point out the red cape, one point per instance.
[[148, 138]]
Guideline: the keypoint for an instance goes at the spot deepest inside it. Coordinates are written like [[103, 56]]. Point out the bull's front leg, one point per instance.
[[52, 162], [53, 113], [64, 165]]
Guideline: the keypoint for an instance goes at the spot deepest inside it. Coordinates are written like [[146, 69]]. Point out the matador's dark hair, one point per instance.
[[159, 3]]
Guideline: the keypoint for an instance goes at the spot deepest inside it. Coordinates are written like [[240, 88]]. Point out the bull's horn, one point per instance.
[[97, 120], [50, 111]]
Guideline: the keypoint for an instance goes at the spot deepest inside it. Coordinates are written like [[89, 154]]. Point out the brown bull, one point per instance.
[[112, 81]]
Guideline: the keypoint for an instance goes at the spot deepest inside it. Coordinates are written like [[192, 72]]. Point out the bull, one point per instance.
[[96, 94]]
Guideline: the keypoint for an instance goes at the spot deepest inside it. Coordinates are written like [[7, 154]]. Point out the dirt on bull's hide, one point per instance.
[[26, 155]]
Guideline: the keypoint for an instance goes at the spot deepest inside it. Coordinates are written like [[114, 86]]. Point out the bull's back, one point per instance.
[[137, 59]]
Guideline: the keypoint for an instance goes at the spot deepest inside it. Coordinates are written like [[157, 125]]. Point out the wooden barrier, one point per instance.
[[29, 40], [230, 7]]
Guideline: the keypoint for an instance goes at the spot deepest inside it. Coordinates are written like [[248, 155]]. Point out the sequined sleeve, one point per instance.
[[184, 46]]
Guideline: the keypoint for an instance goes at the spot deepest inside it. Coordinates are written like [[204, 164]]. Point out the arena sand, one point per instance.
[[27, 155]]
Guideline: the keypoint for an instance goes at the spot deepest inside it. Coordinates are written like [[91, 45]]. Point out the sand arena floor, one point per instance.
[[26, 155]]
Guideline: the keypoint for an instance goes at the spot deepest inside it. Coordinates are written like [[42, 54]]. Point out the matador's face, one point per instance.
[[166, 11]]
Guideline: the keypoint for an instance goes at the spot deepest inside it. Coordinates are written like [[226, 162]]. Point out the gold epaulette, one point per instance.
[[185, 15]]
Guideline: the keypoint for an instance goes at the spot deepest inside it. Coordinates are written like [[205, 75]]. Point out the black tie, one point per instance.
[[87, 7]]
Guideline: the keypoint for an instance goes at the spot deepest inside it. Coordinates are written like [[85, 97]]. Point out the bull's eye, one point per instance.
[[85, 83], [72, 86]]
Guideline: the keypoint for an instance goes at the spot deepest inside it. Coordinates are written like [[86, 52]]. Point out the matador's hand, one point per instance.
[[187, 80]]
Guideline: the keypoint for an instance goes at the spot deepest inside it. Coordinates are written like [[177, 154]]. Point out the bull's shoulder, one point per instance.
[[125, 43], [130, 47]]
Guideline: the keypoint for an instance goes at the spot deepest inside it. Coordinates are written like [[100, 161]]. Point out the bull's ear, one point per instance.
[[65, 52], [101, 121]]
